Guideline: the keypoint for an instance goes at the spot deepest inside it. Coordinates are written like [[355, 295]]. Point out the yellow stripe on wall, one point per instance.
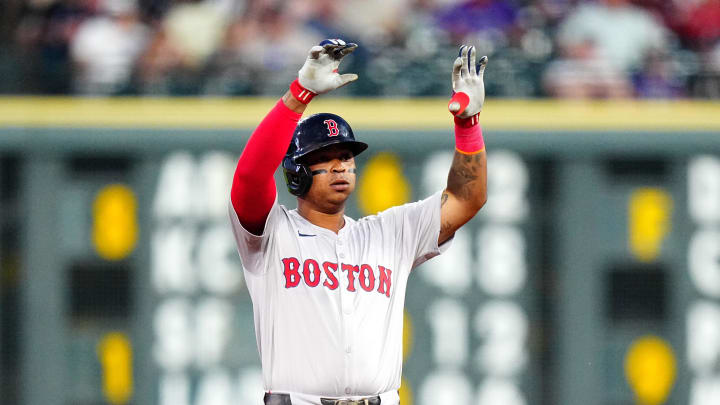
[[425, 113]]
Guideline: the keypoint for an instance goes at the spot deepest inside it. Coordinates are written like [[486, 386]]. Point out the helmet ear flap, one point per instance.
[[297, 176]]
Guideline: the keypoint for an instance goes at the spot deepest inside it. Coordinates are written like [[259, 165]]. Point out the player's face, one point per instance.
[[333, 171]]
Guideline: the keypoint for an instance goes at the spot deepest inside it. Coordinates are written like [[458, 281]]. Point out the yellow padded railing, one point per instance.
[[362, 113]]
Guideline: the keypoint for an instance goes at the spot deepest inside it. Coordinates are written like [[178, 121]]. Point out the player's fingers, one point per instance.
[[348, 49], [329, 45], [315, 52], [329, 48], [456, 71], [338, 52], [347, 78], [481, 67], [337, 48], [471, 61], [334, 51], [464, 72], [332, 41]]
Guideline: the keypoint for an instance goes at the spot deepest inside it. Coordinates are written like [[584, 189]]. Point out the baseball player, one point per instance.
[[328, 291]]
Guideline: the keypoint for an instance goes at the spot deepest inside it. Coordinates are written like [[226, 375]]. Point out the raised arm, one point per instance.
[[253, 188], [466, 190]]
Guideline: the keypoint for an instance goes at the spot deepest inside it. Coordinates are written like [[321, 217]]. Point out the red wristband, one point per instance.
[[467, 122], [302, 94], [468, 138]]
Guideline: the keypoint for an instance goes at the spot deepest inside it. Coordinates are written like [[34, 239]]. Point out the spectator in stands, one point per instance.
[[394, 36], [253, 43], [44, 34], [490, 19], [697, 23], [602, 47], [701, 25], [230, 71], [554, 10], [669, 11], [106, 47], [195, 28], [160, 61], [190, 33], [657, 79], [621, 33], [329, 17], [581, 73], [371, 23], [706, 82]]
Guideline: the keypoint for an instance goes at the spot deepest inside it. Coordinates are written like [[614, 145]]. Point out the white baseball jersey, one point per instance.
[[328, 307]]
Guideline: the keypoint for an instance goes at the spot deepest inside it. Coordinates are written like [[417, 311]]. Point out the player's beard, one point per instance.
[[329, 199]]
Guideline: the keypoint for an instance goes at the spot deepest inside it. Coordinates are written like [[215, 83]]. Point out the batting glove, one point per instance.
[[320, 74], [467, 83]]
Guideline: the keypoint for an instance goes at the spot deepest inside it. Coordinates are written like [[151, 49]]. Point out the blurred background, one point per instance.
[[591, 277], [540, 48]]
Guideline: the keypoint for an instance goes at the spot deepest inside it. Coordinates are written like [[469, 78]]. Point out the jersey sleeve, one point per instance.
[[253, 249], [253, 187], [417, 226]]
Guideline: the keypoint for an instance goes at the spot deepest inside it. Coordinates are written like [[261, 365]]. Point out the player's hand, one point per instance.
[[320, 74], [467, 83]]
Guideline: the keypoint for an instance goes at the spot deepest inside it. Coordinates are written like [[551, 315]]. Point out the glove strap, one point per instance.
[[467, 122], [302, 94]]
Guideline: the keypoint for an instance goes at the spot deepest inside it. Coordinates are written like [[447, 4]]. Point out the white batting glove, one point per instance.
[[467, 83], [320, 74]]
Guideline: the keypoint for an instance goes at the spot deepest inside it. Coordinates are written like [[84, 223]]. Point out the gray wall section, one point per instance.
[[583, 228], [43, 369], [578, 144], [2, 347], [145, 373], [579, 362]]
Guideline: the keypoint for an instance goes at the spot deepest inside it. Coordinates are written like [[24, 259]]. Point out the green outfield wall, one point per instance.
[[591, 276]]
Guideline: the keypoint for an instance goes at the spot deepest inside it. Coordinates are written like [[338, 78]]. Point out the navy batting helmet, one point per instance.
[[314, 133]]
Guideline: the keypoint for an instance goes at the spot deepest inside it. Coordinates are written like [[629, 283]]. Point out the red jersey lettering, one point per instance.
[[292, 276], [351, 270], [331, 281], [366, 278], [311, 267], [385, 281]]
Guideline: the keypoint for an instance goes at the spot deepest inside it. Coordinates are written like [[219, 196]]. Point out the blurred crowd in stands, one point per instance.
[[537, 48]]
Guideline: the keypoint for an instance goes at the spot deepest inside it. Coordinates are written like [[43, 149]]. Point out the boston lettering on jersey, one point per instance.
[[311, 273]]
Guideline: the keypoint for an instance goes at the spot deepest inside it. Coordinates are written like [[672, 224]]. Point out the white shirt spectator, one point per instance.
[[622, 34], [196, 29], [105, 50]]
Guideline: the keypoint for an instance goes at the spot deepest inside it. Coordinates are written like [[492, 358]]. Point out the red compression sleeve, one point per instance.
[[468, 135], [253, 189]]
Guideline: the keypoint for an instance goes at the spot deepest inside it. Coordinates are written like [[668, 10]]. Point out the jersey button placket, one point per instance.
[[346, 297], [346, 300], [348, 363]]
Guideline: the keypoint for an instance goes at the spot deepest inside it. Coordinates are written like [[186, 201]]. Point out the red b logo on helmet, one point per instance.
[[332, 127]]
